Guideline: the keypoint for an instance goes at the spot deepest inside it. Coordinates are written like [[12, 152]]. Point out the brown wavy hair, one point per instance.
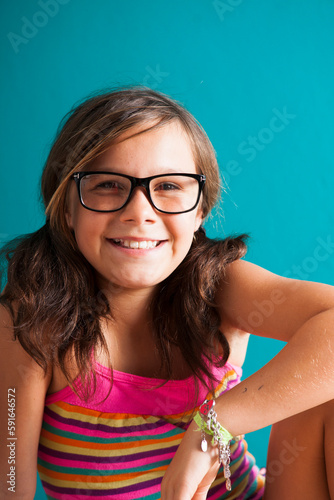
[[51, 290]]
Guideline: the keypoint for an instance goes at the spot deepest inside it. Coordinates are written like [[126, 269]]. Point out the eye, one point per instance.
[[167, 186], [106, 186], [109, 185]]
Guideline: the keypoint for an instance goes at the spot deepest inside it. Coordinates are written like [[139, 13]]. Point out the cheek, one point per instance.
[[184, 232], [86, 230]]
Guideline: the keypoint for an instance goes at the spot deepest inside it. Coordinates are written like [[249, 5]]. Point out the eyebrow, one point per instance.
[[115, 170]]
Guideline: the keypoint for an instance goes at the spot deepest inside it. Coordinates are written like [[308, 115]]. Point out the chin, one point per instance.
[[137, 284]]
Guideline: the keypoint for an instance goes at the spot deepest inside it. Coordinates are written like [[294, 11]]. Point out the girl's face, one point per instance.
[[104, 238]]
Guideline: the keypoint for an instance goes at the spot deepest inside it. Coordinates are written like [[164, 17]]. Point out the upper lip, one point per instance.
[[133, 238]]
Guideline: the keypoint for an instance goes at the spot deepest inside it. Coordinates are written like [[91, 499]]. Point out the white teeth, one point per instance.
[[136, 244]]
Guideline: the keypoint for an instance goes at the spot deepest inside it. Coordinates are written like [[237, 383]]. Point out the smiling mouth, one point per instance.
[[141, 245]]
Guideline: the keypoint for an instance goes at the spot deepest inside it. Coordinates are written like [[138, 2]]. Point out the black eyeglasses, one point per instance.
[[168, 193]]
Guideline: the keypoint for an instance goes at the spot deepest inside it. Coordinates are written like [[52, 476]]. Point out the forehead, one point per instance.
[[157, 150]]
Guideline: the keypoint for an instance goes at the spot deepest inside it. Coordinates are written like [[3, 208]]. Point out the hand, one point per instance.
[[191, 472]]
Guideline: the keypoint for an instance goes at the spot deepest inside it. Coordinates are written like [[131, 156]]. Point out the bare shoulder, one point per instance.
[[14, 358], [236, 337], [236, 297], [249, 295], [239, 277], [23, 386], [241, 273]]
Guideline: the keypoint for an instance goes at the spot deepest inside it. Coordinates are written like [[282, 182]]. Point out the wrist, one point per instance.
[[206, 420]]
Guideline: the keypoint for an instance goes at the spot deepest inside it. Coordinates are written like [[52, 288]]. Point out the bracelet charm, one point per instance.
[[206, 419]]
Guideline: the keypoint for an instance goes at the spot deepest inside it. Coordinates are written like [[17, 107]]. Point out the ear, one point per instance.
[[68, 216], [69, 206]]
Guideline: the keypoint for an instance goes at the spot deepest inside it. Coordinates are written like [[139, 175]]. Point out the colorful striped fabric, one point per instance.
[[121, 447]]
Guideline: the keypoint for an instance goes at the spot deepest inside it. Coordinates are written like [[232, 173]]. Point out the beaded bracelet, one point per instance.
[[206, 419]]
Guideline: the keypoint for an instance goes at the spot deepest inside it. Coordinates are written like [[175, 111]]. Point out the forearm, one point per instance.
[[300, 377]]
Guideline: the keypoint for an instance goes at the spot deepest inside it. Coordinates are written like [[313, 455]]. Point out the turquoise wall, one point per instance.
[[257, 74]]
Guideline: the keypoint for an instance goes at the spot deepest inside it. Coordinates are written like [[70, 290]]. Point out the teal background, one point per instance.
[[235, 65]]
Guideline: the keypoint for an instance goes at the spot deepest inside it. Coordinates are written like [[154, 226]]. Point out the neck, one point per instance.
[[129, 334], [130, 308]]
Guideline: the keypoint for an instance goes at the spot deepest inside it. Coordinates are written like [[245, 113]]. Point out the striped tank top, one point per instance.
[[120, 448]]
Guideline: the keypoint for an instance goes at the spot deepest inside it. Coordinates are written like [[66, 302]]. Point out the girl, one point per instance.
[[120, 317]]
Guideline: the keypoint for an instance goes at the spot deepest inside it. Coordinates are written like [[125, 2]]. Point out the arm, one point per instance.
[[20, 373], [301, 376]]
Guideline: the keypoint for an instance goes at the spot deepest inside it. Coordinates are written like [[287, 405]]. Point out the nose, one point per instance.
[[139, 208]]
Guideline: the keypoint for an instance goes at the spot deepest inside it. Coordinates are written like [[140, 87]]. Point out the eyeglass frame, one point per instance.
[[139, 182]]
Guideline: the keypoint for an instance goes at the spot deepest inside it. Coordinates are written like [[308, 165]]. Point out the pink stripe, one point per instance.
[[219, 493], [253, 474], [135, 494], [117, 496], [245, 466], [143, 461]]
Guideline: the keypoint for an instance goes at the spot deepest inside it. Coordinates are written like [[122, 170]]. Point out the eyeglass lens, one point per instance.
[[107, 192]]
